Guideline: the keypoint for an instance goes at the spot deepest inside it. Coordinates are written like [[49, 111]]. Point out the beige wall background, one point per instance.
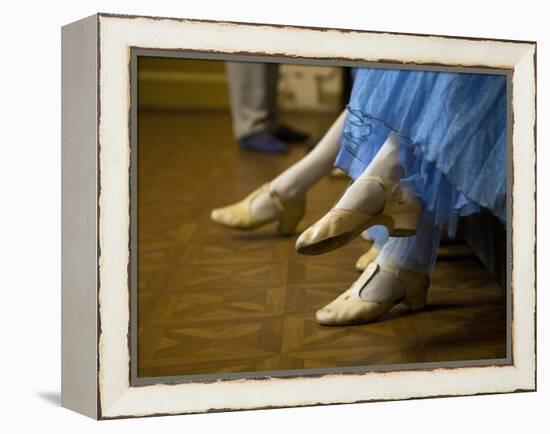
[[167, 83]]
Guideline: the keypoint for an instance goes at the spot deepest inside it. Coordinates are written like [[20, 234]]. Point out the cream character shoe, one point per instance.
[[366, 258], [399, 215], [394, 286], [239, 216]]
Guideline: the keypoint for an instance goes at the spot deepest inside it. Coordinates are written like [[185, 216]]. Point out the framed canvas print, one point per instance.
[[260, 216]]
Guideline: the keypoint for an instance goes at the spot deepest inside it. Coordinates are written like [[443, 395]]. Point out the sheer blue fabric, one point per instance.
[[452, 131], [417, 253], [378, 235]]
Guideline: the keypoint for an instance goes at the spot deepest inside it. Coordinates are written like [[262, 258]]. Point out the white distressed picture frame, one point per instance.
[[96, 156]]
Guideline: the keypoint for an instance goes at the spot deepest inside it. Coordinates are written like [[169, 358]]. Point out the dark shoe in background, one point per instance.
[[263, 142], [290, 135]]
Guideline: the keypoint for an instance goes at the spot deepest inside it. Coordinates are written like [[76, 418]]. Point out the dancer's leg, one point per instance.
[[375, 197], [375, 237], [417, 253], [298, 178], [399, 274], [295, 181], [369, 197]]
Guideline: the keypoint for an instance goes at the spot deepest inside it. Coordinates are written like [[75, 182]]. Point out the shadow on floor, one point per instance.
[[52, 398]]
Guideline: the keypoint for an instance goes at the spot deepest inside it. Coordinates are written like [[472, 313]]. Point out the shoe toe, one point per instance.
[[215, 215], [324, 316], [361, 264], [303, 240], [224, 217], [310, 237], [332, 231]]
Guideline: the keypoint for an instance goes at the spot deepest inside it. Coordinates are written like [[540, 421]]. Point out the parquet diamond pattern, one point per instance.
[[212, 300]]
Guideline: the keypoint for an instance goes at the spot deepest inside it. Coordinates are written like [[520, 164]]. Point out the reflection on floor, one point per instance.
[[212, 300]]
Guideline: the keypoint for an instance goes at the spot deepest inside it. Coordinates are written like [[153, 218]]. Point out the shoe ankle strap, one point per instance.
[[365, 277], [278, 200], [374, 268], [401, 274]]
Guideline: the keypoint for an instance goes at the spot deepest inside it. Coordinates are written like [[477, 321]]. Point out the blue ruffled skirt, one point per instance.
[[452, 131]]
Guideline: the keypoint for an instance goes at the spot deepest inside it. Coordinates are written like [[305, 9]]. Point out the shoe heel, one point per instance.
[[289, 222], [404, 225], [417, 300]]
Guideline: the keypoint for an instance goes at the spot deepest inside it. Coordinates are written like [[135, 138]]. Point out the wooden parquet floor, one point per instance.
[[212, 300]]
